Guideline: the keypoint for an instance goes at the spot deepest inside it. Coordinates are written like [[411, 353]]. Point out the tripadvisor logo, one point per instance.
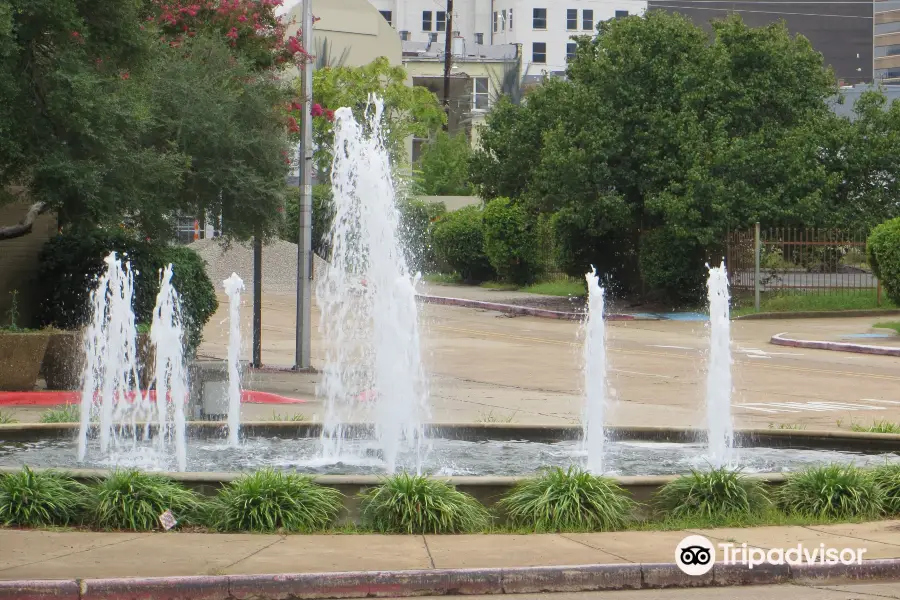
[[695, 555]]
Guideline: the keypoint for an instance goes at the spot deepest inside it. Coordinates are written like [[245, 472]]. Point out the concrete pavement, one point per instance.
[[488, 367], [29, 554]]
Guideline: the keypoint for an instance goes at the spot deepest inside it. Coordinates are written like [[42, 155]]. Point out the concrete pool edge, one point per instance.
[[445, 582], [778, 438]]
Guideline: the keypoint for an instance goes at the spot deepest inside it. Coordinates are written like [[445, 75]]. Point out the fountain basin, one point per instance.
[[461, 449]]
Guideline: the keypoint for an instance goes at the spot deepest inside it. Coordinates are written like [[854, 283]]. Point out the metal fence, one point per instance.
[[793, 260]]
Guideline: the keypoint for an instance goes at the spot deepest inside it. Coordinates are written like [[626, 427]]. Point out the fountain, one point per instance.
[[718, 378], [367, 301], [594, 374], [233, 286], [167, 336], [110, 383]]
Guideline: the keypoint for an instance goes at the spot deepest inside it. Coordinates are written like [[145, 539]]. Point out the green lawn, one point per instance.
[[788, 302], [895, 325]]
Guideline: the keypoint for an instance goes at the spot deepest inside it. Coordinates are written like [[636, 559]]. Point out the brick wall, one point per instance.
[[18, 261]]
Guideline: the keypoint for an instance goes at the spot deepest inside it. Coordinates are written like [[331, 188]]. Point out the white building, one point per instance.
[[544, 28]]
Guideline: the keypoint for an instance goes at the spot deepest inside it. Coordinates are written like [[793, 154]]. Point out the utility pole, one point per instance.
[[304, 247], [448, 60], [257, 301]]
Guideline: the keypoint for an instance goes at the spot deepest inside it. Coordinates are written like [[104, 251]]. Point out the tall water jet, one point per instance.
[[367, 299], [594, 370], [167, 337], [110, 378], [233, 287], [718, 377]]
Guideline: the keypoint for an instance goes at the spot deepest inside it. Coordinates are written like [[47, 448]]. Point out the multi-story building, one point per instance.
[[543, 28], [840, 30], [887, 41]]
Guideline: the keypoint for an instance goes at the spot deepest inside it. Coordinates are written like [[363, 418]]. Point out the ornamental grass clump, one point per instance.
[[270, 500], [568, 500], [716, 494], [887, 477], [134, 500], [407, 503], [30, 499], [832, 492]]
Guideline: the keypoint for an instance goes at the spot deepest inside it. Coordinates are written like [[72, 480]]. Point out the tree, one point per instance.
[[443, 168], [137, 111], [660, 140], [71, 126], [408, 110]]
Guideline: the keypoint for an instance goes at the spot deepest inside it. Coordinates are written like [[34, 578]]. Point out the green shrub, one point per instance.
[[719, 493], [568, 500], [511, 241], [887, 477], [134, 500], [673, 268], [883, 253], [458, 239], [29, 499], [416, 220], [832, 491], [71, 263], [444, 166], [68, 413], [270, 500], [416, 504], [322, 217]]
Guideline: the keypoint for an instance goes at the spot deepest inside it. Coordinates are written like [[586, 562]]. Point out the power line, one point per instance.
[[764, 12]]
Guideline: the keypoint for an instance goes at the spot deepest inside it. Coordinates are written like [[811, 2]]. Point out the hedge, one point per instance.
[[458, 239]]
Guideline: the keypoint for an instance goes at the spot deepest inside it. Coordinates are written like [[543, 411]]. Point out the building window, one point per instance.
[[539, 53], [570, 51], [572, 19], [539, 18], [479, 39], [621, 14], [496, 21], [587, 20], [426, 20], [404, 35], [503, 20], [432, 37], [509, 23], [440, 21], [387, 16], [480, 93]]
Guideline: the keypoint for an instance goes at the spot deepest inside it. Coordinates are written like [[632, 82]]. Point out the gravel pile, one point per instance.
[[279, 269]]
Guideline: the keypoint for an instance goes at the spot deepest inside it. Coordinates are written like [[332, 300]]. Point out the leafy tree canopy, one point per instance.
[[660, 140], [408, 110], [443, 168], [135, 111]]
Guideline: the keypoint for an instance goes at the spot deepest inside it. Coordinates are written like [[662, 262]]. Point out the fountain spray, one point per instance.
[[367, 298], [718, 377], [233, 287], [594, 370]]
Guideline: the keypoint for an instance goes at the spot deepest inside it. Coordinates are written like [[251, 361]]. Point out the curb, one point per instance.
[[779, 340], [524, 311], [440, 582], [820, 314]]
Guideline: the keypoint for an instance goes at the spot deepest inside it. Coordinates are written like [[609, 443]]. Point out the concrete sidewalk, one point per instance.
[[85, 555]]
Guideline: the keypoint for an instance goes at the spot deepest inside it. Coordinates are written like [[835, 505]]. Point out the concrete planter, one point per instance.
[[64, 360], [21, 355]]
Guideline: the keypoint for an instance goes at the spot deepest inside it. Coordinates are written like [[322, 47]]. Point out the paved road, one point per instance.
[[483, 365]]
